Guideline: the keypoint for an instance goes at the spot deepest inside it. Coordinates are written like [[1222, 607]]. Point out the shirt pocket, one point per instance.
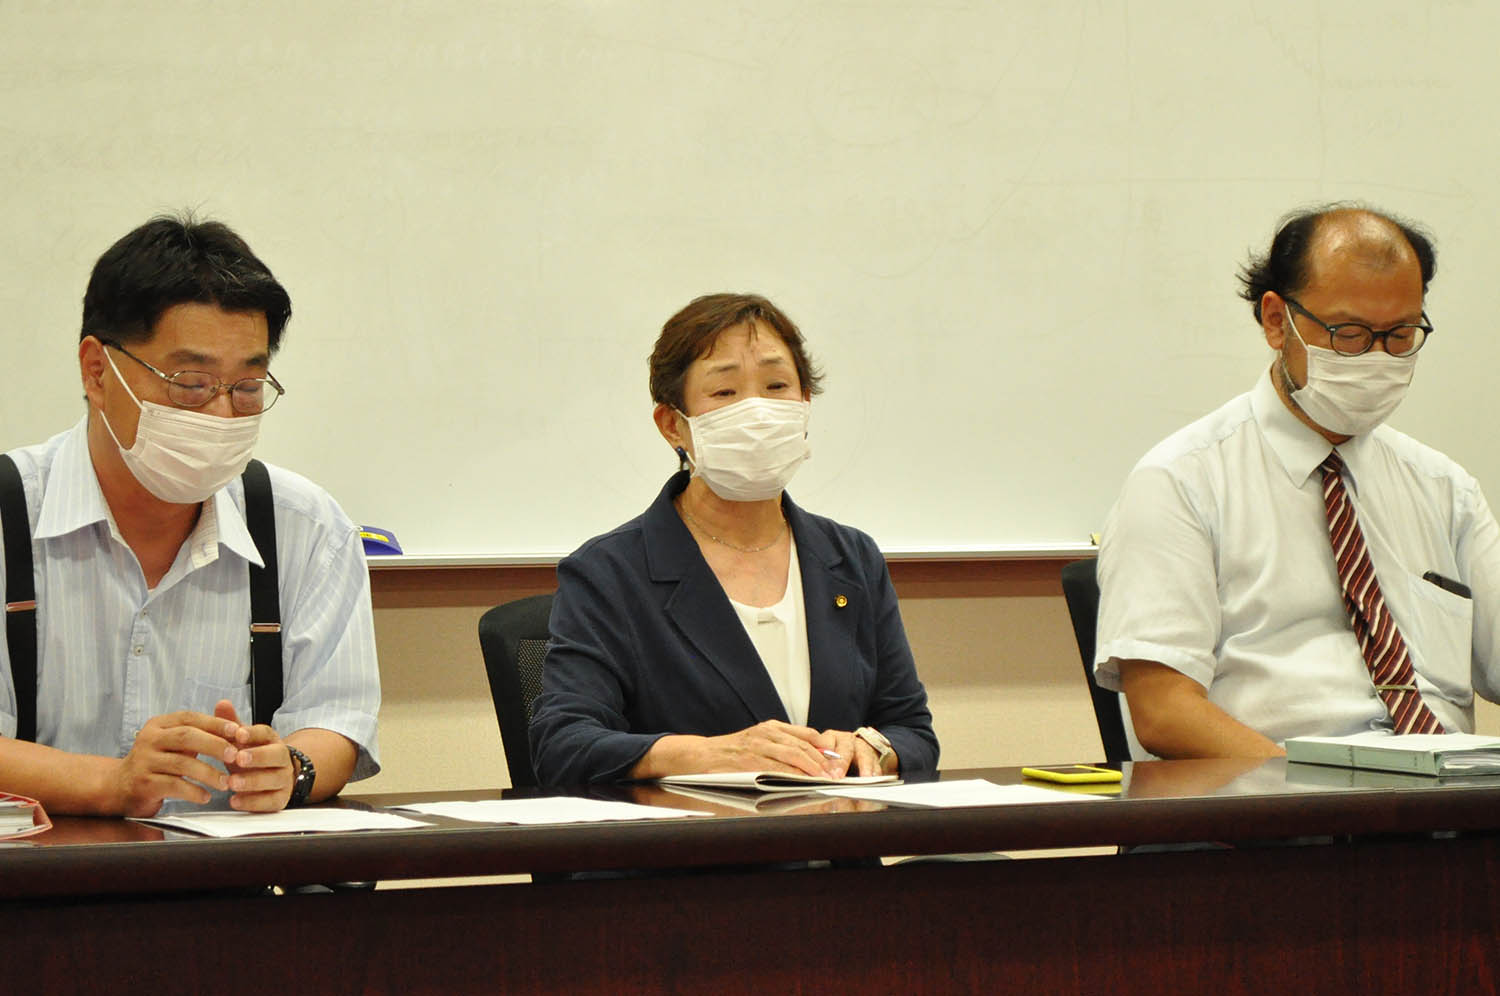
[[202, 696], [1441, 638]]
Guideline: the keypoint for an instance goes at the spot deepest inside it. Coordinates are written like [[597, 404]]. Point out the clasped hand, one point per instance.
[[166, 762], [776, 746]]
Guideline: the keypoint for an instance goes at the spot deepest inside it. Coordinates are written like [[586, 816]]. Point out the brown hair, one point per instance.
[[693, 332]]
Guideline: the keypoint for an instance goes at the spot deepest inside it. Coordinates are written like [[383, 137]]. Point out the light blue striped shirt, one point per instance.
[[111, 654]]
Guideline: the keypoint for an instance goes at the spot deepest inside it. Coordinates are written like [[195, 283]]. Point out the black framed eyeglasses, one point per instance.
[[196, 388], [1355, 338]]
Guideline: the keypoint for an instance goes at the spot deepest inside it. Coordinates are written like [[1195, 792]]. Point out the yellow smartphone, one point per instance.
[[1072, 774]]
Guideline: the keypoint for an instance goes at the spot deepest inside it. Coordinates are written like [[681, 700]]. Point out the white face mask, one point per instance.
[[749, 450], [183, 456], [1351, 394]]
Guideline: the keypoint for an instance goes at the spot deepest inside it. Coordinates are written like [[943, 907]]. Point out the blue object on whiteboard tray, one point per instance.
[[378, 541]]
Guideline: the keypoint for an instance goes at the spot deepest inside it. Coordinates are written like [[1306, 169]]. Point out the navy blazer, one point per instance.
[[645, 643]]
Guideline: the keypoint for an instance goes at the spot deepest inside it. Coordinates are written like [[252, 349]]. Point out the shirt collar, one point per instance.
[[1355, 451], [1300, 448], [72, 500], [228, 516]]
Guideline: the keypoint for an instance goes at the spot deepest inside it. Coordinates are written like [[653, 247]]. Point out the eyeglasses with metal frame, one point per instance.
[[196, 388], [1356, 338]]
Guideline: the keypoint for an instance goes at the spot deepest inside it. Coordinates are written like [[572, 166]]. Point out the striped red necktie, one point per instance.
[[1379, 640]]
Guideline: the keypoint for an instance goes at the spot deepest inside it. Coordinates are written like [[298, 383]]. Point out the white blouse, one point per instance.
[[779, 633]]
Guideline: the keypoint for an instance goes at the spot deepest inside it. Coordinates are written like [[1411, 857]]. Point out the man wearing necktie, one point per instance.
[[1290, 565]]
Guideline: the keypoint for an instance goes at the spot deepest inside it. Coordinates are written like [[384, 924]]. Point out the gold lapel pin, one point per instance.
[[840, 601]]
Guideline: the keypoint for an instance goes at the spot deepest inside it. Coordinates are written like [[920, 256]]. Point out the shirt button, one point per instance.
[[139, 649]]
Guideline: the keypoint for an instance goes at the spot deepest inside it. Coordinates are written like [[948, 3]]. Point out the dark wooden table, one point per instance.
[[1393, 893]]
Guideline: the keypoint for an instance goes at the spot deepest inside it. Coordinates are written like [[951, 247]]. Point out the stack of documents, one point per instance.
[[1413, 753], [21, 817]]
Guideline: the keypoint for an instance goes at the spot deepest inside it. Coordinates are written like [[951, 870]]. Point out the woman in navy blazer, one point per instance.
[[652, 668]]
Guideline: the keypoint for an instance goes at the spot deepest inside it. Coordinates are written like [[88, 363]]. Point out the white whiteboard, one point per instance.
[[1009, 230]]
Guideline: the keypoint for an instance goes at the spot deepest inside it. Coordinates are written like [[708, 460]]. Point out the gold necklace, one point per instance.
[[733, 546]]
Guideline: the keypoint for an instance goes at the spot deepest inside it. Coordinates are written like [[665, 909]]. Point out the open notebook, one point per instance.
[[775, 781]]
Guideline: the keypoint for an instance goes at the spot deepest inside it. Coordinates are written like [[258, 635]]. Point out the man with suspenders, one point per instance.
[[173, 628]]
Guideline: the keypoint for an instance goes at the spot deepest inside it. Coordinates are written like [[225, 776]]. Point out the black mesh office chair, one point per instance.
[[513, 639], [1081, 589]]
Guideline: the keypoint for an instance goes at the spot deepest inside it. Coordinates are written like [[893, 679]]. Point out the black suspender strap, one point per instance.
[[20, 596], [265, 601]]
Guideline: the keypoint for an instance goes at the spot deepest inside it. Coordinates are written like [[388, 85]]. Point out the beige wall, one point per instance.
[[992, 640]]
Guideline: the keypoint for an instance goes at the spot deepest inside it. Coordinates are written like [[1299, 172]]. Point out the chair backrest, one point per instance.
[[1081, 589], [513, 639]]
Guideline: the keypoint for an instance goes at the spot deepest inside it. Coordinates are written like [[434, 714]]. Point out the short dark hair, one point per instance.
[[175, 260], [1286, 268], [693, 332]]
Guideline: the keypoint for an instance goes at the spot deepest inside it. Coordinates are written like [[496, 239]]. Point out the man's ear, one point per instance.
[[91, 365], [1273, 319]]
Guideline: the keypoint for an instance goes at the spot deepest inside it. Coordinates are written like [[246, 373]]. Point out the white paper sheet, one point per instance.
[[232, 823], [952, 795], [542, 811]]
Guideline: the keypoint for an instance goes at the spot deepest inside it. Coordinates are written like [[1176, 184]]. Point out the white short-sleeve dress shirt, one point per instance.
[[1215, 561], [112, 654]]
